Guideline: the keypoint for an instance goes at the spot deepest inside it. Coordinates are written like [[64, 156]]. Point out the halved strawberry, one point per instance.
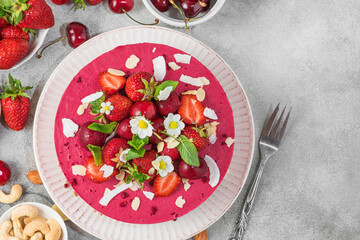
[[164, 186], [191, 110], [112, 150], [121, 106], [197, 136], [144, 163], [111, 84], [93, 172]]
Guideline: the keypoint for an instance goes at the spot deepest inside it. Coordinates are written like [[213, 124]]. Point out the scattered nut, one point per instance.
[[187, 185], [135, 186], [80, 111], [180, 201], [201, 236], [160, 146], [135, 203], [229, 141], [190, 92], [55, 230], [16, 192], [173, 144], [34, 177], [200, 94], [116, 72], [151, 171], [119, 183], [132, 62], [62, 215], [120, 176], [85, 104], [174, 66]]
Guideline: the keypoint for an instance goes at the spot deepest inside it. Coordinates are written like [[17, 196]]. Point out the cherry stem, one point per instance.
[[182, 13], [156, 20], [41, 50], [202, 3], [191, 19]]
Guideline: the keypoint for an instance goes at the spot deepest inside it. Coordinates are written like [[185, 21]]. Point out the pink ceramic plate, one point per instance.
[[77, 209]]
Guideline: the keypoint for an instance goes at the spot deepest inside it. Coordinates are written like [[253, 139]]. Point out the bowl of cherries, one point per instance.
[[184, 12]]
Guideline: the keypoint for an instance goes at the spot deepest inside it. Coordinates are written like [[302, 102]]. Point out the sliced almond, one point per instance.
[[78, 170], [168, 139], [120, 176], [119, 183], [201, 236], [174, 66], [200, 94], [184, 180], [205, 81], [135, 186], [135, 204], [156, 164], [229, 141], [116, 72], [192, 92], [172, 144], [80, 110], [160, 146], [85, 105], [187, 185], [214, 123], [180, 201], [132, 62], [34, 177], [151, 171]]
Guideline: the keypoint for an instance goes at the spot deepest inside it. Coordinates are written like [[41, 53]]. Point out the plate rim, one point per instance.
[[50, 80]]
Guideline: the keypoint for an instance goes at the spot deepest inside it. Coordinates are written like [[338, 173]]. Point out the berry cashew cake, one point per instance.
[[144, 133]]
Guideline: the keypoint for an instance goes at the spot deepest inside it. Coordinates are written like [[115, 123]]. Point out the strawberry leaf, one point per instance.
[[164, 85], [137, 143], [96, 152], [79, 4], [15, 89], [188, 151], [103, 128], [95, 106]]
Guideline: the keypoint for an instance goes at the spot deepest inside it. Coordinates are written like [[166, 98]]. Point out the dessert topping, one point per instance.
[[92, 97], [149, 195], [160, 146], [116, 72], [159, 68], [174, 66], [180, 201], [69, 127], [209, 113], [132, 62], [214, 176], [135, 204], [108, 170], [187, 185], [182, 58], [108, 197], [78, 170]]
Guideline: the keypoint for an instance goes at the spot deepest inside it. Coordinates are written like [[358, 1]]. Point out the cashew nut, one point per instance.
[[36, 226], [18, 229], [24, 211], [16, 192], [55, 230], [37, 236], [5, 230], [37, 218]]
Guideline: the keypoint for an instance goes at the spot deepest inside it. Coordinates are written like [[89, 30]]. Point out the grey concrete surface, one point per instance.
[[305, 54]]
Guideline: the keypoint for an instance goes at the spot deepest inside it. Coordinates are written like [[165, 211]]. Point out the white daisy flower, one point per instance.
[[106, 108], [123, 155], [173, 124], [141, 126], [163, 164]]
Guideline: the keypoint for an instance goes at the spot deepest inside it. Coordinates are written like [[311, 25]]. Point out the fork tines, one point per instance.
[[271, 126]]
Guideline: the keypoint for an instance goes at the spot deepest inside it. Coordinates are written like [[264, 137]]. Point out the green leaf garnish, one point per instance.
[[137, 142], [103, 128], [96, 152], [164, 85], [135, 175], [133, 153], [95, 106], [188, 151]]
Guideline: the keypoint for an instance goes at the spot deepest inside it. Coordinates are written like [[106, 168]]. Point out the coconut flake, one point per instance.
[[159, 68], [135, 203], [180, 201], [154, 49], [229, 141], [78, 170], [92, 97], [174, 66], [214, 176], [160, 146], [197, 82], [107, 190], [149, 195], [132, 62], [209, 113], [164, 94], [108, 197], [182, 58], [212, 138], [119, 183], [116, 72], [69, 127], [120, 176], [187, 185], [108, 170], [123, 155]]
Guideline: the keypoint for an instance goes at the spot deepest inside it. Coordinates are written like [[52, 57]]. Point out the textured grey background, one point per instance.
[[302, 53]]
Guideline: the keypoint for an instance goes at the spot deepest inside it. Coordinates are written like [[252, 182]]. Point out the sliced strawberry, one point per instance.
[[111, 84], [121, 106], [112, 150], [93, 172], [191, 110], [164, 186], [197, 136], [173, 153], [144, 163]]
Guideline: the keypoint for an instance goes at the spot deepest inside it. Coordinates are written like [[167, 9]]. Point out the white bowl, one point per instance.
[[34, 45], [44, 211], [173, 17]]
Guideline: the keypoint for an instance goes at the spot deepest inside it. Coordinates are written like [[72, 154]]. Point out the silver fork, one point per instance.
[[269, 144]]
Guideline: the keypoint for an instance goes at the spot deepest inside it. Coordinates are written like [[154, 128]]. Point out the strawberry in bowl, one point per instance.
[[140, 129]]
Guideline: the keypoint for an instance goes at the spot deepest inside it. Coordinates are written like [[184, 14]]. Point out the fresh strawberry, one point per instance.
[[111, 84], [36, 14], [3, 22], [12, 50], [158, 125], [144, 163], [173, 153], [112, 150], [197, 136], [164, 186], [121, 106], [15, 104], [191, 110], [140, 86], [93, 172], [11, 31], [94, 2]]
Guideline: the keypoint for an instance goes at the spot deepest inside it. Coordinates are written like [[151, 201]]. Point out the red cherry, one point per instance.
[[145, 108], [191, 8], [5, 173], [117, 6], [59, 2], [158, 125], [161, 5], [87, 136], [192, 172], [124, 129], [77, 33], [170, 105]]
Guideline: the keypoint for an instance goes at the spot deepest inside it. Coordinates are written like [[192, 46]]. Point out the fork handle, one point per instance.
[[241, 222]]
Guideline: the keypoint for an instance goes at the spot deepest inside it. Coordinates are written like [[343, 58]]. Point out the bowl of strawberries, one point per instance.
[[23, 28]]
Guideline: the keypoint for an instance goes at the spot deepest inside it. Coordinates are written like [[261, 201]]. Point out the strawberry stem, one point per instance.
[[41, 50], [156, 20]]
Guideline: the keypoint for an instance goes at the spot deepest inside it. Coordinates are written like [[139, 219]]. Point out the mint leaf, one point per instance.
[[137, 142], [135, 175], [103, 128], [188, 151], [95, 106], [164, 85], [96, 152], [133, 153]]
